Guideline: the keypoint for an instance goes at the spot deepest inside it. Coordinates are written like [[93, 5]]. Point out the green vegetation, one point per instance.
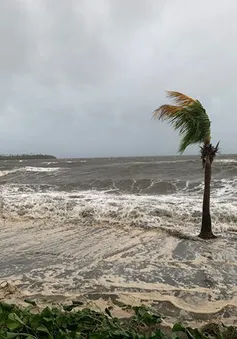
[[82, 324], [26, 156], [191, 120]]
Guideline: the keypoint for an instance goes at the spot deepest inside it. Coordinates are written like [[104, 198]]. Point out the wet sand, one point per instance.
[[185, 279]]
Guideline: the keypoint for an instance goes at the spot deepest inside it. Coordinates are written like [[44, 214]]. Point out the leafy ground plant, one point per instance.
[[54, 323]]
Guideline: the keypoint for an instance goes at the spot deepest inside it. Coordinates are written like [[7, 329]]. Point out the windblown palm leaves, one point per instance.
[[188, 117]]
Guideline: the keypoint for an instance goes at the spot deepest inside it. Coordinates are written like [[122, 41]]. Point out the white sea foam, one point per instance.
[[179, 213], [139, 265], [39, 169], [226, 161], [29, 169], [227, 189], [4, 173]]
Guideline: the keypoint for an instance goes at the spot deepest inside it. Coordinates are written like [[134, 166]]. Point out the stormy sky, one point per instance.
[[82, 77]]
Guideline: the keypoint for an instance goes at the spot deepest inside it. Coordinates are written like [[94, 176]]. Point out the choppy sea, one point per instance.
[[121, 225]]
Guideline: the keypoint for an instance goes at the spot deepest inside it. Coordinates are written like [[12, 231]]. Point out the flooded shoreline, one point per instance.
[[189, 279]]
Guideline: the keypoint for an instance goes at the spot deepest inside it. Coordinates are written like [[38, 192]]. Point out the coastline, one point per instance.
[[27, 157]]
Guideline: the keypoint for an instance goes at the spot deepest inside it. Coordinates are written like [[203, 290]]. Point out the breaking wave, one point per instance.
[[29, 169], [226, 161], [40, 169], [119, 192], [92, 208]]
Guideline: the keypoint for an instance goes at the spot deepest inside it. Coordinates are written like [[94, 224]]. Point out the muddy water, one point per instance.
[[179, 276], [128, 234]]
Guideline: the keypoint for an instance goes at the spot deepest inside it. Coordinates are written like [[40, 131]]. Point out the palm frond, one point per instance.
[[180, 98], [164, 111], [189, 118]]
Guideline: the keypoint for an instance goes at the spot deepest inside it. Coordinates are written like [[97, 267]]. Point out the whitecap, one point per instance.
[[40, 169]]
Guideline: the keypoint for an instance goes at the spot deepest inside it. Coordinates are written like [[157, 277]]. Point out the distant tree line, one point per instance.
[[25, 156]]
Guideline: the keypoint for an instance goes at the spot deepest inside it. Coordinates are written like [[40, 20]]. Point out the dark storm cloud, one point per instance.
[[81, 78]]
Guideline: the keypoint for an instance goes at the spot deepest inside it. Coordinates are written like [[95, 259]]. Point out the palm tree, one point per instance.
[[190, 119]]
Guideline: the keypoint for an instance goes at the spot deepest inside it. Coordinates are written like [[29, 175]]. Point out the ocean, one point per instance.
[[124, 226]]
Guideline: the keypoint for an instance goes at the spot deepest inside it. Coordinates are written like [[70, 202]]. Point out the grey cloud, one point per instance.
[[16, 39], [81, 78]]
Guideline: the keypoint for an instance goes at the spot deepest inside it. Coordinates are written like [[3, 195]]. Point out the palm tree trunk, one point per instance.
[[206, 230]]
